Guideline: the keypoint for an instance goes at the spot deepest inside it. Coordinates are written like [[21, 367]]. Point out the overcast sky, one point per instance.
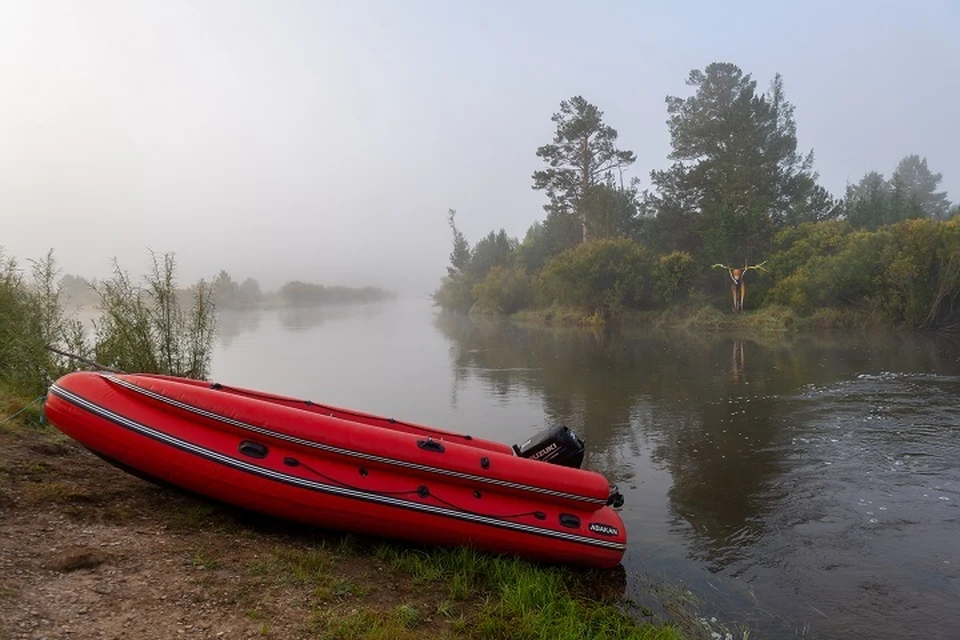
[[325, 141]]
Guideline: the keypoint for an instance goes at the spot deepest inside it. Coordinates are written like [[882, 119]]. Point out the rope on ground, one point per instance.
[[9, 418]]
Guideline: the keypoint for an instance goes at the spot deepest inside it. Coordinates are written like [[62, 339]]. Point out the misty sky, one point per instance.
[[325, 141]]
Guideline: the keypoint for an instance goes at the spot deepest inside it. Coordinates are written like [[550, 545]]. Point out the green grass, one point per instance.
[[455, 592], [56, 492], [187, 513], [519, 599], [203, 560], [360, 624]]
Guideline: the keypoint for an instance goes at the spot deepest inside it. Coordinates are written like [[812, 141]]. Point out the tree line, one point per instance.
[[739, 191], [228, 293], [150, 324]]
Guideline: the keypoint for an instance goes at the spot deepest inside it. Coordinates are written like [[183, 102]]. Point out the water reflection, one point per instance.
[[311, 317], [776, 448], [232, 324], [804, 483], [706, 417]]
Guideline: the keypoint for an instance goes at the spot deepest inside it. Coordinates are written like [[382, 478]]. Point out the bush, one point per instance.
[[503, 290], [907, 273], [145, 329], [796, 246], [921, 274], [455, 293], [32, 318], [601, 276], [674, 274], [846, 277]]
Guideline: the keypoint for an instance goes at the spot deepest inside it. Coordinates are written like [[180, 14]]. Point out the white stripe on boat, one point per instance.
[[599, 502], [243, 465]]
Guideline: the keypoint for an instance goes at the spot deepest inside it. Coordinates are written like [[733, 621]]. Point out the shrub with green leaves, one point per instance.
[[145, 328], [455, 293], [603, 276], [503, 290], [920, 278], [32, 318], [673, 275]]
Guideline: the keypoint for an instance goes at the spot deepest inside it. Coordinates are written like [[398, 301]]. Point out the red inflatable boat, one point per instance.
[[347, 470]]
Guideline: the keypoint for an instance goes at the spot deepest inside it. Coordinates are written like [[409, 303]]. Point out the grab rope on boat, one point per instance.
[[293, 462], [423, 491], [310, 403]]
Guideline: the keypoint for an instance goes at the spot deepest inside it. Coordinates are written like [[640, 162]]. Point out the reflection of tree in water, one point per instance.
[[726, 440], [231, 324], [303, 318], [569, 370], [712, 409]]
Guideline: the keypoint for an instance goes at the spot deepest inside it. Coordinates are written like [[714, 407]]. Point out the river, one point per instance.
[[799, 486]]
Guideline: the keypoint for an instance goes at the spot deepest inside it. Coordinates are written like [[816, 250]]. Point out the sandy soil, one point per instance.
[[87, 551]]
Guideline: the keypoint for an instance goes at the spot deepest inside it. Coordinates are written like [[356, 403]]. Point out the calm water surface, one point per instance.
[[808, 486]]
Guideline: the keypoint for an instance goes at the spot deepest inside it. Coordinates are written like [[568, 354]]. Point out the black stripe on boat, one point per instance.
[[242, 465], [349, 452]]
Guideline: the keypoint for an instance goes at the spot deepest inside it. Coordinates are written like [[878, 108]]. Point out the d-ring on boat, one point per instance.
[[347, 470]]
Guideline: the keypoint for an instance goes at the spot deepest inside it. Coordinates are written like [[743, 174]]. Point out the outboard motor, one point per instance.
[[556, 445]]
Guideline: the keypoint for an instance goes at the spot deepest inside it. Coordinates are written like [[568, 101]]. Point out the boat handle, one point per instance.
[[431, 445], [253, 449], [569, 520]]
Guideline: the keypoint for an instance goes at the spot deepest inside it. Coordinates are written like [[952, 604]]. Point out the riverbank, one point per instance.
[[89, 551], [701, 316]]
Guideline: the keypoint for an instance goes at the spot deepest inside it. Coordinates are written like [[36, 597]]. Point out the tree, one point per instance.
[[738, 175], [456, 288], [602, 276], [460, 256], [583, 154], [867, 203], [557, 233], [913, 189], [610, 212], [250, 293], [818, 206], [494, 250]]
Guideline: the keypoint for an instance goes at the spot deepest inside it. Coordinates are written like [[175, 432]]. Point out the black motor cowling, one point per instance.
[[556, 445]]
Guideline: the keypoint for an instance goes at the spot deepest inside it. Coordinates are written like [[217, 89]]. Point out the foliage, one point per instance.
[[557, 233], [610, 212], [842, 278], [306, 294], [909, 273], [32, 318], [738, 174], [494, 250], [914, 191], [455, 293], [798, 245], [144, 327], [603, 276], [460, 256], [504, 290], [867, 203], [909, 194], [228, 294], [738, 192], [674, 275], [920, 280], [583, 155]]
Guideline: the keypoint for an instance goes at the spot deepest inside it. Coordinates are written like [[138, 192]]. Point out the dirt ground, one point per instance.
[[88, 551]]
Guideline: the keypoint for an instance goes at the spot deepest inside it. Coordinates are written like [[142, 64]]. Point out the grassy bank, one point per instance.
[[235, 570], [702, 316]]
